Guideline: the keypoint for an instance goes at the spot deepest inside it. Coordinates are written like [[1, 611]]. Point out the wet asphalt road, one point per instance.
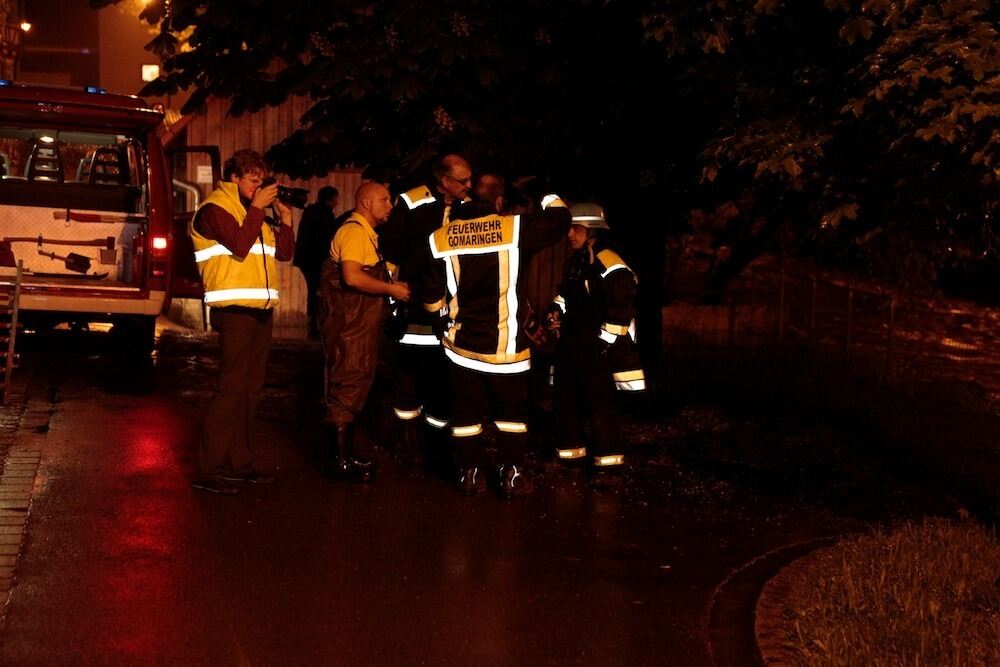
[[124, 563]]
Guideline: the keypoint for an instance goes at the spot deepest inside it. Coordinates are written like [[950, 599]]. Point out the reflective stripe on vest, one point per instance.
[[242, 294], [219, 250], [249, 281], [426, 340], [486, 367]]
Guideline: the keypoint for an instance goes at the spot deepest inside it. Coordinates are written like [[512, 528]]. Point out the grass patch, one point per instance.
[[922, 594]]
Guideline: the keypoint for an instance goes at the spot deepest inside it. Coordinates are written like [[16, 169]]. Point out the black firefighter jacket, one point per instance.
[[478, 265], [402, 241], [596, 301]]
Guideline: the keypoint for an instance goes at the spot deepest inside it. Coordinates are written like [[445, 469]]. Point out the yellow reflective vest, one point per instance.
[[231, 281]]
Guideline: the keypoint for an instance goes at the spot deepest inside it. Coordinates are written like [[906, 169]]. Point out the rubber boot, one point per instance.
[[513, 483], [437, 457], [342, 463]]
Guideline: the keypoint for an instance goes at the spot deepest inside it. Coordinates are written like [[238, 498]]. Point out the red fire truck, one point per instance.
[[87, 204]]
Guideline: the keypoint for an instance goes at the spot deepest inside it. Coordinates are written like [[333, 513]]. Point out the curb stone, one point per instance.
[[20, 458], [767, 614], [732, 623]]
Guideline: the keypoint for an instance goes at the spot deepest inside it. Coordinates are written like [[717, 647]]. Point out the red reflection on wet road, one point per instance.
[[143, 539]]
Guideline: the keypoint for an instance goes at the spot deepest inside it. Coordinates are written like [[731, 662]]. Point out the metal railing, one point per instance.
[[905, 333]]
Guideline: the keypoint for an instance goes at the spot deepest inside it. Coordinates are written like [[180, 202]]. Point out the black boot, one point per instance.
[[513, 482], [342, 463], [471, 481], [437, 458]]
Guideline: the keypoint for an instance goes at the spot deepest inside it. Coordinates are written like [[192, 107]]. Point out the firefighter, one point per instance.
[[478, 274], [421, 396], [596, 355]]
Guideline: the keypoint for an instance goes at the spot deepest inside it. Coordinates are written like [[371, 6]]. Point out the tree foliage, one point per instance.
[[854, 117], [392, 82]]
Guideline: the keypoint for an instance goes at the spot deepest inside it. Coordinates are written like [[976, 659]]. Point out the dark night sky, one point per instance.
[[62, 31]]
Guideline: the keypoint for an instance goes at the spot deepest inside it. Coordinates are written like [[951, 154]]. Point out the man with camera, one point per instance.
[[237, 250], [356, 281]]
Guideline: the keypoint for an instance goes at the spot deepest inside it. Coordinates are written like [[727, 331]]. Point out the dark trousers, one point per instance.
[[584, 392], [421, 381], [244, 339], [312, 300], [502, 397]]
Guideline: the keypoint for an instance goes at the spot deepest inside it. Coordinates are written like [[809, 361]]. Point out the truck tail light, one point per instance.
[[159, 261], [158, 265]]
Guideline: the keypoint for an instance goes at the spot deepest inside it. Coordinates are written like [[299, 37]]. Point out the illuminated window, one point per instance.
[[150, 72]]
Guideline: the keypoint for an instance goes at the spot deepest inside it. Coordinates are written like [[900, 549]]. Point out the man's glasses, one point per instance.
[[467, 182]]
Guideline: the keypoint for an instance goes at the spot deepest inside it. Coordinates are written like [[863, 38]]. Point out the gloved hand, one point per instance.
[[440, 325], [395, 323]]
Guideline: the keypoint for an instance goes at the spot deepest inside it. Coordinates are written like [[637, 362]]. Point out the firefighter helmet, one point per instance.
[[588, 215]]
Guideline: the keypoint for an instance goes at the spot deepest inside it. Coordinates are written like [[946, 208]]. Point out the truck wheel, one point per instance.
[[134, 337]]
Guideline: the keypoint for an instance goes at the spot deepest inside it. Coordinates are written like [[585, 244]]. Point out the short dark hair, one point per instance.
[[326, 193], [488, 187], [243, 162]]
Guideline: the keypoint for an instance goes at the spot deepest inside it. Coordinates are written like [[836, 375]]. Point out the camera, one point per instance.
[[294, 197]]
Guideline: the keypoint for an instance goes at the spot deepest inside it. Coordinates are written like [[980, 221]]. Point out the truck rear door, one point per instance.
[[195, 172]]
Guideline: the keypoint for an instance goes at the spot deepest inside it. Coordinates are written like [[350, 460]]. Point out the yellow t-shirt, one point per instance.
[[355, 242]]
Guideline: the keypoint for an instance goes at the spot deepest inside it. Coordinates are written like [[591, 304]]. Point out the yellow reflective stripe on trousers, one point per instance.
[[406, 415], [241, 294], [576, 453], [435, 422], [612, 460], [511, 427], [466, 431]]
